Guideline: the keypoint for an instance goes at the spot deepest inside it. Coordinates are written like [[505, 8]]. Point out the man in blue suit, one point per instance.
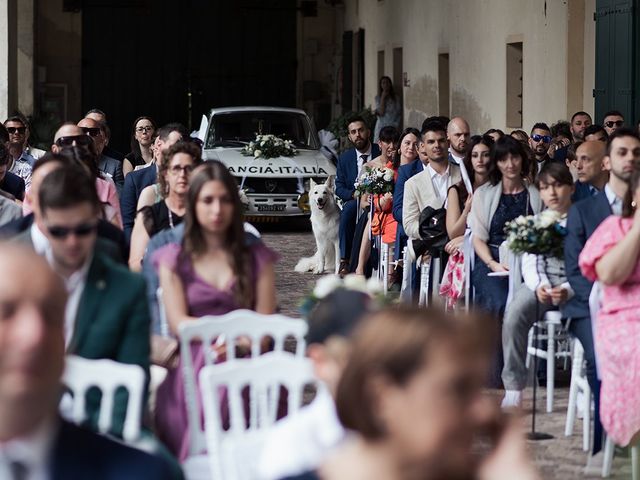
[[350, 164], [622, 156], [592, 175], [137, 180], [36, 443]]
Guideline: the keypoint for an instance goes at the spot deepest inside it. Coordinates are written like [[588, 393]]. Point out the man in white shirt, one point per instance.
[[34, 443], [429, 187], [300, 442]]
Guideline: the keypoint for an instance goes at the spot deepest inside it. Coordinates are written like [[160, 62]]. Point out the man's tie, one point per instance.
[[364, 157]]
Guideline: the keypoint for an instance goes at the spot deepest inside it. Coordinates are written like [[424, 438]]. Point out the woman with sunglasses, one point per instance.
[[174, 170], [141, 153]]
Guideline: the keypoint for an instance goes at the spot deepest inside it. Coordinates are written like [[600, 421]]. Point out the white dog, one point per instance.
[[325, 220]]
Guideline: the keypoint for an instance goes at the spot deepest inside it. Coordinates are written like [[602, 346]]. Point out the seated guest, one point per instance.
[[612, 256], [507, 196], [476, 162], [572, 161], [36, 443], [21, 161], [429, 187], [521, 136], [411, 393], [545, 286], [597, 133], [494, 133], [458, 137], [107, 165], [592, 175], [173, 176], [350, 164], [539, 142], [107, 314], [212, 271], [10, 183], [612, 120], [584, 217], [301, 442], [142, 138], [137, 181]]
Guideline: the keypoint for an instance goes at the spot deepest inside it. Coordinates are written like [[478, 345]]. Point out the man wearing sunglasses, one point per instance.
[[101, 117], [613, 120], [106, 315], [22, 162], [107, 165], [539, 142]]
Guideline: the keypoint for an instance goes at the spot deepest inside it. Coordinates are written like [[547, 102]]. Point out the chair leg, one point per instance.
[[573, 400], [635, 462], [586, 421], [551, 364], [608, 458]]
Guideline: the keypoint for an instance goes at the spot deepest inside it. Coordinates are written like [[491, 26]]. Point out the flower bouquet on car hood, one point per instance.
[[375, 181], [541, 234]]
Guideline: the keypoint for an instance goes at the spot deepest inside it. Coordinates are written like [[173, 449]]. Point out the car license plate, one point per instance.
[[271, 208]]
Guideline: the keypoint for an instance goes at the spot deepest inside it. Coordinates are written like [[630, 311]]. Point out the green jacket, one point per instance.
[[112, 322]]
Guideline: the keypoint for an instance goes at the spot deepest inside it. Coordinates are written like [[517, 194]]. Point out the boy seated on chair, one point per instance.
[[545, 287], [300, 443]]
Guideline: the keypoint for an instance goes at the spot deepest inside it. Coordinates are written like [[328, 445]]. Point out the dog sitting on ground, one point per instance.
[[325, 219]]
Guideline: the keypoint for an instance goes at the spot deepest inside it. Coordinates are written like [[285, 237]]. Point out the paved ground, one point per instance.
[[558, 458]]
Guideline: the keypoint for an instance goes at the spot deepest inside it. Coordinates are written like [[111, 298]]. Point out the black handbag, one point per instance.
[[432, 230]]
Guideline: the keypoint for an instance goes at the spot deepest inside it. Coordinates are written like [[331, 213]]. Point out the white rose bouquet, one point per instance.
[[540, 234], [376, 181], [269, 146]]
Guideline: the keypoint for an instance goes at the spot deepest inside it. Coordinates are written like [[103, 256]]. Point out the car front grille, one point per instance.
[[272, 186]]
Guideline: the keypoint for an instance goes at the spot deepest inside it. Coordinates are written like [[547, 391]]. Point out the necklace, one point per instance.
[[170, 218]]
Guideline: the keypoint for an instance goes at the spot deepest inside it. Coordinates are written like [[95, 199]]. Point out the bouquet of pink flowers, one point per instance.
[[375, 181]]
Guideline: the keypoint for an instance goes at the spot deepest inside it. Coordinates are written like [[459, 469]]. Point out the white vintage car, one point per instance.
[[275, 186]]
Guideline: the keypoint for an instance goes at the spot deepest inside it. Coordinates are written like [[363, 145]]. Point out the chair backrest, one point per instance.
[[595, 302], [469, 255], [228, 328], [233, 453], [164, 323], [81, 374]]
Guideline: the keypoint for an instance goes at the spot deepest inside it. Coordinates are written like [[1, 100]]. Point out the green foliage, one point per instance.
[[338, 126]]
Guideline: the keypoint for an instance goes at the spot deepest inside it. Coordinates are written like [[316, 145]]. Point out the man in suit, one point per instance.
[[99, 116], [592, 175], [107, 314], [137, 180], [107, 165], [35, 443], [350, 166], [539, 142], [579, 123], [429, 187], [10, 182], [621, 159]]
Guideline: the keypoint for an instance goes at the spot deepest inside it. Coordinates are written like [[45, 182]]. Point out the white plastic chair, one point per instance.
[[383, 266], [469, 260], [164, 323], [579, 384], [228, 328], [81, 374], [430, 267], [406, 289], [234, 453]]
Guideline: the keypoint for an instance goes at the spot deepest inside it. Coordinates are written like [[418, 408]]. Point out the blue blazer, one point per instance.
[[79, 454], [582, 191], [405, 172], [347, 171], [13, 184], [134, 183], [584, 217]]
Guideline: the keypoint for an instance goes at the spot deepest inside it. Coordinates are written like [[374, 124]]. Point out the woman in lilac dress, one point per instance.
[[212, 272]]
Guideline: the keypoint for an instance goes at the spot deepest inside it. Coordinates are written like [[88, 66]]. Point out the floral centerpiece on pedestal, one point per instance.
[[541, 234], [375, 181], [269, 146]]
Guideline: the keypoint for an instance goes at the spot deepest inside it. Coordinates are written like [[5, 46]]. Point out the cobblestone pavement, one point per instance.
[[559, 458]]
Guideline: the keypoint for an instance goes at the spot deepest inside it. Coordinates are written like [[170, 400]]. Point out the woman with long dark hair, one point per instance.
[[141, 153], [213, 271]]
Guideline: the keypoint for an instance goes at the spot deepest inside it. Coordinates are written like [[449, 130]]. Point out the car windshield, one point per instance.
[[236, 129]]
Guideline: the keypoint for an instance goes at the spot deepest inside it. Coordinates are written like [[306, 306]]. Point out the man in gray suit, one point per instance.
[[107, 165], [429, 187]]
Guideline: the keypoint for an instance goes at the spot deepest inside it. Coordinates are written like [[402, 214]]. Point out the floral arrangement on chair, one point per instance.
[[269, 146], [540, 234], [375, 181]]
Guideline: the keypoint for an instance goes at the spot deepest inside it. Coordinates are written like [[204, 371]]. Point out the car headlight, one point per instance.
[[303, 202]]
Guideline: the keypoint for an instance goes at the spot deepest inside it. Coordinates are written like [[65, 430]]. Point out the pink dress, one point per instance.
[[617, 335], [202, 299]]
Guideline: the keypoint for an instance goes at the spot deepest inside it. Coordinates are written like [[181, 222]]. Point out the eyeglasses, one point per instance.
[[541, 138], [19, 130], [81, 230], [83, 140], [609, 124], [177, 169], [145, 129], [91, 131]]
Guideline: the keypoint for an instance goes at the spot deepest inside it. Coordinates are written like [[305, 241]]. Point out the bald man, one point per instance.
[[69, 135], [36, 443], [458, 136], [107, 165], [592, 174]]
